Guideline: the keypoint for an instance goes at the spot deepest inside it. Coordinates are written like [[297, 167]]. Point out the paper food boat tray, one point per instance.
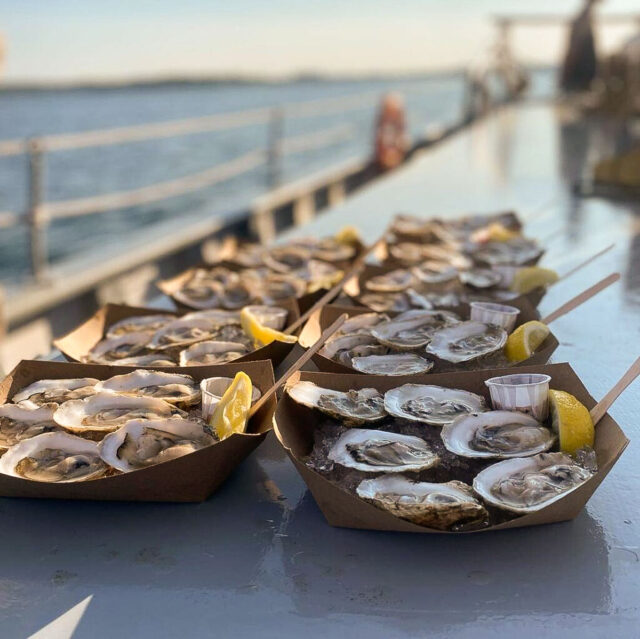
[[191, 478], [294, 426], [322, 319], [77, 344]]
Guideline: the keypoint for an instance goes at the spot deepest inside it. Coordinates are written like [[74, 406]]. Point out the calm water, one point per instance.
[[85, 172]]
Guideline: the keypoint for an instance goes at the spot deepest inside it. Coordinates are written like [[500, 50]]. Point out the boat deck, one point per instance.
[[258, 559]]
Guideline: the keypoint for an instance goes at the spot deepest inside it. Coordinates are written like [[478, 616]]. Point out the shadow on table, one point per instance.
[[219, 543], [561, 568]]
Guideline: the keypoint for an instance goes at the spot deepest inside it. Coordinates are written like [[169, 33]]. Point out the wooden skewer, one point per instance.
[[581, 298], [601, 408], [575, 269], [298, 364], [335, 290]]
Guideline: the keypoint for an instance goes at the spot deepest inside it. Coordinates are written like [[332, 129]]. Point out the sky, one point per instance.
[[71, 40]]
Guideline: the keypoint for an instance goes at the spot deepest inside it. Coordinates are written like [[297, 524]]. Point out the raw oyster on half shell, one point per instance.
[[440, 506], [392, 364], [143, 443], [353, 407], [54, 457], [466, 341], [55, 391], [430, 404], [499, 433], [378, 451], [527, 484]]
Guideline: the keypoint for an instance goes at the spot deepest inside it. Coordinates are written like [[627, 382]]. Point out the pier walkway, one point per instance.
[[258, 559]]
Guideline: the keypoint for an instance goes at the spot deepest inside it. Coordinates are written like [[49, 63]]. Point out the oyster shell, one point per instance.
[[284, 259], [498, 433], [142, 443], [361, 324], [139, 324], [55, 391], [392, 282], [211, 352], [199, 293], [17, 422], [106, 412], [218, 316], [152, 359], [354, 406], [392, 364], [439, 506], [412, 329], [378, 451], [381, 302], [171, 387], [343, 349], [182, 332], [432, 272], [54, 457], [431, 404], [518, 251], [330, 250], [113, 349], [528, 484], [466, 341], [481, 278]]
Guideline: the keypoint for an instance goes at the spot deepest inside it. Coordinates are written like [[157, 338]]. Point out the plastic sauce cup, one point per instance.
[[523, 392], [499, 314]]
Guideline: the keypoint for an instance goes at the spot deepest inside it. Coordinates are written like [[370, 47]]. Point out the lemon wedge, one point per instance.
[[571, 420], [232, 412], [524, 341], [348, 235], [261, 334], [529, 278]]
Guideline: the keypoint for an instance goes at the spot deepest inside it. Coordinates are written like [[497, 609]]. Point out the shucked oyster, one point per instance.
[[105, 412], [55, 391], [527, 484], [18, 423], [481, 278], [139, 324], [412, 329], [113, 349], [497, 433], [431, 404], [344, 348], [54, 457], [392, 364], [381, 302], [361, 324], [210, 352], [152, 359], [392, 282], [171, 387], [182, 332], [439, 506], [466, 341], [354, 406], [142, 443], [377, 451]]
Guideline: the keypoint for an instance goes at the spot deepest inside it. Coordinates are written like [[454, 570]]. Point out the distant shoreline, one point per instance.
[[223, 80]]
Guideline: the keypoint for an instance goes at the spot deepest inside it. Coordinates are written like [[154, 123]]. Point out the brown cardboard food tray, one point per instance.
[[323, 318], [294, 426], [371, 270], [77, 344], [191, 478]]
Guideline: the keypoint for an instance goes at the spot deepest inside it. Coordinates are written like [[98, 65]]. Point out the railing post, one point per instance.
[[35, 213], [274, 151]]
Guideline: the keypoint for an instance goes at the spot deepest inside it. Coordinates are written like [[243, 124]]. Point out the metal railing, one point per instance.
[[39, 212]]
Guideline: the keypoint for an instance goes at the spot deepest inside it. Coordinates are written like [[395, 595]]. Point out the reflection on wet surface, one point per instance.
[[258, 559]]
